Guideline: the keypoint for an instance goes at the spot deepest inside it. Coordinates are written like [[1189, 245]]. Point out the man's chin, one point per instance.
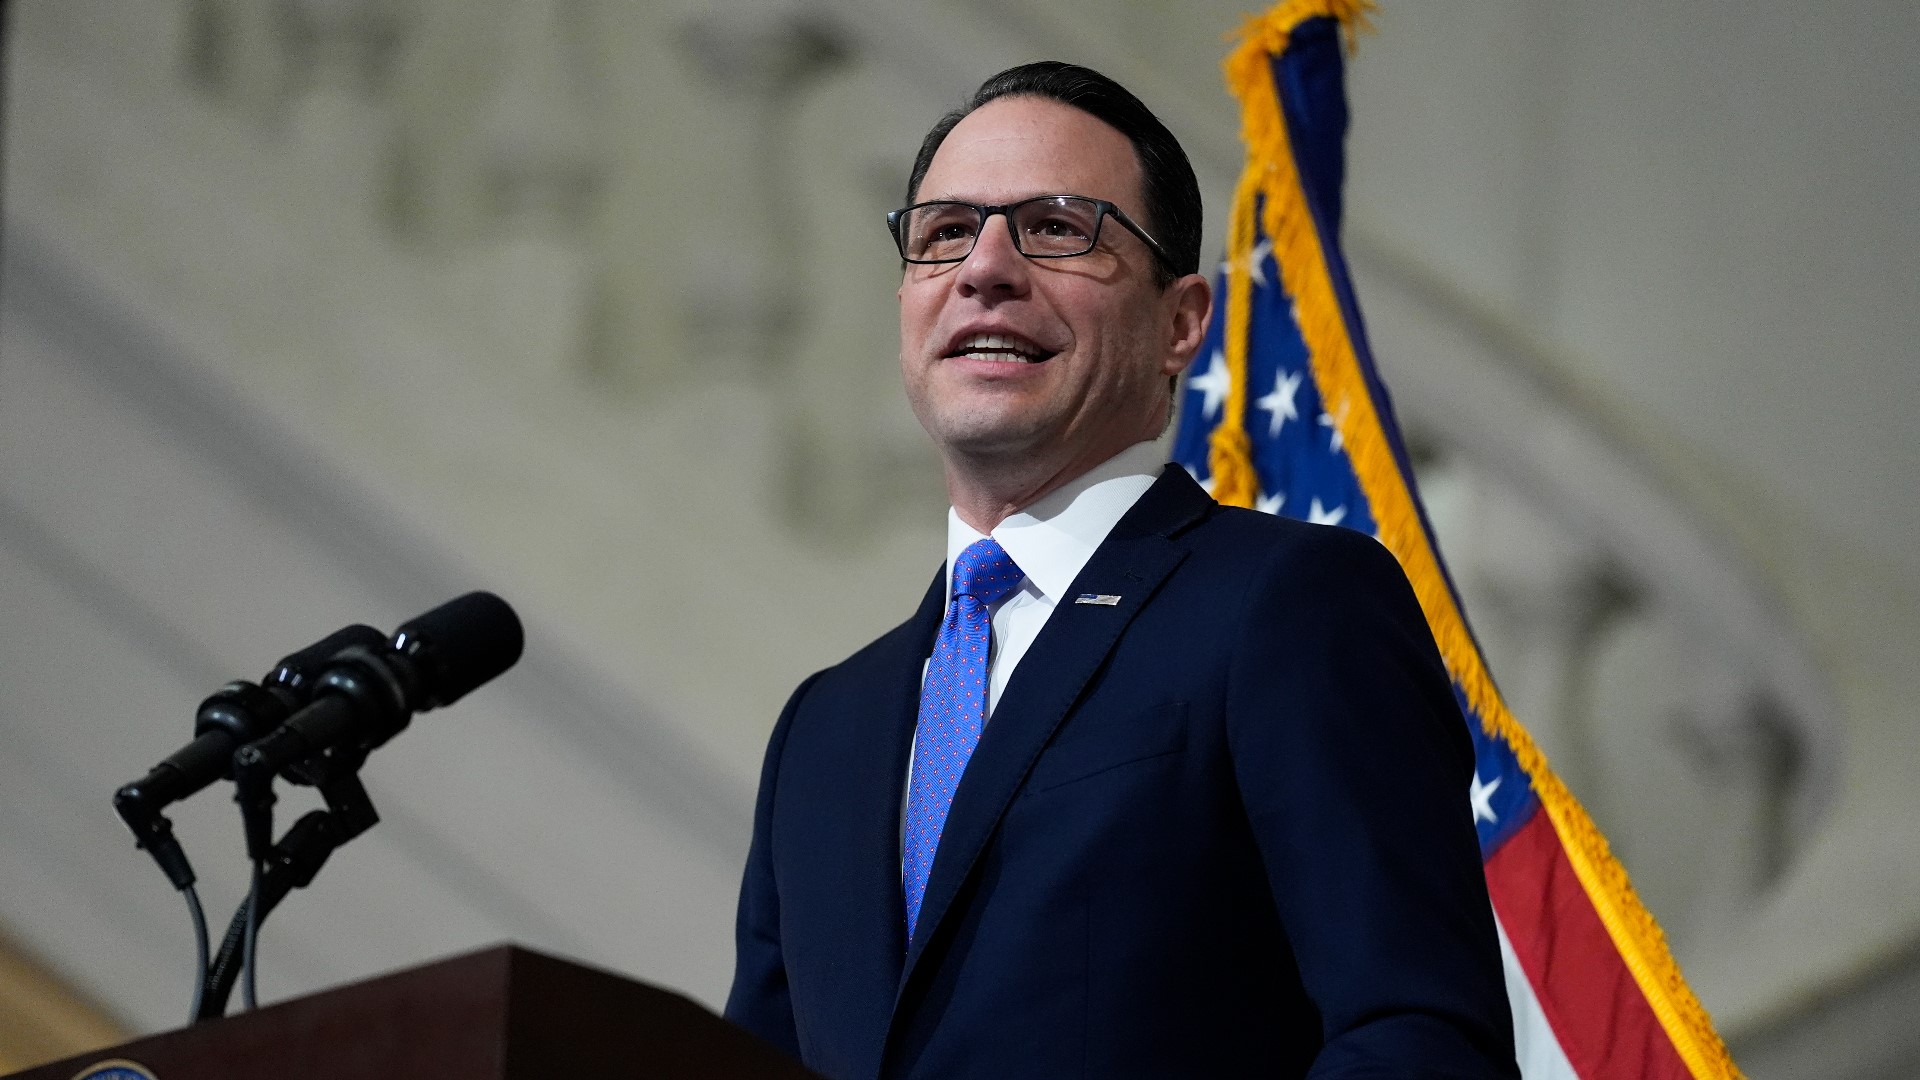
[[981, 440]]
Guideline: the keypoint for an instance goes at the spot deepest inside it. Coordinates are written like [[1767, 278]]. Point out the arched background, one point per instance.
[[321, 311]]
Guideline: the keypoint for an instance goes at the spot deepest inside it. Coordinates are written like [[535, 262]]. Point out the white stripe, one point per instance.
[[1534, 1043]]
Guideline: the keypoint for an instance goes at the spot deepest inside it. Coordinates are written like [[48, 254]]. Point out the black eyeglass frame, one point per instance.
[[1103, 208]]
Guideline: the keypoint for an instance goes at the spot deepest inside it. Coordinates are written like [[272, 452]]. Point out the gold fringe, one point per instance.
[[1229, 451], [1272, 181]]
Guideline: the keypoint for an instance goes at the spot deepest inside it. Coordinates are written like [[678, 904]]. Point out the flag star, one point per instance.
[[1320, 515], [1205, 485], [1257, 261], [1280, 401], [1482, 797], [1213, 384], [1327, 421], [1270, 504]]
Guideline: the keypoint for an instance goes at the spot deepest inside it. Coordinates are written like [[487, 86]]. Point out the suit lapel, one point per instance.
[[1135, 558], [876, 789]]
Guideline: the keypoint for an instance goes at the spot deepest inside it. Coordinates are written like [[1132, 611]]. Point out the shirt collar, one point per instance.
[[1052, 539]]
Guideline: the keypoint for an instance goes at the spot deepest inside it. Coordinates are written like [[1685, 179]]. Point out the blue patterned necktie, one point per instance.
[[953, 703]]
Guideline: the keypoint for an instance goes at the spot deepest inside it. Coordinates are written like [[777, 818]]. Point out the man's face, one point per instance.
[[1051, 360]]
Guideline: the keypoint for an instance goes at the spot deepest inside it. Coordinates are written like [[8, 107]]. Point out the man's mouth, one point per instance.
[[1001, 348]]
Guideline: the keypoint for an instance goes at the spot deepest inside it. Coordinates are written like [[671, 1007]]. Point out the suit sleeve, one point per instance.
[[1354, 763], [759, 1000]]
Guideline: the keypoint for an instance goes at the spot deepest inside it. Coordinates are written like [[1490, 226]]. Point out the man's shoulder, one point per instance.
[[1239, 535], [1272, 565]]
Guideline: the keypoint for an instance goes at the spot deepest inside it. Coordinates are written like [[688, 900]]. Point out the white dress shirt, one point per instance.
[[1050, 542]]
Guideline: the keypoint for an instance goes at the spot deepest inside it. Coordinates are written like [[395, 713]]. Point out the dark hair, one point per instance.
[[1172, 194]]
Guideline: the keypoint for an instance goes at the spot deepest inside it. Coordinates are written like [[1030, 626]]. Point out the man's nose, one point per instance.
[[995, 266]]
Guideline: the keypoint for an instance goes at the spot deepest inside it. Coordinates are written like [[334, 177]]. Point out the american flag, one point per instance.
[[1285, 412]]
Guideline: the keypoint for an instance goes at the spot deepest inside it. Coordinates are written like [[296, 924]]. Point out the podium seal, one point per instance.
[[115, 1070]]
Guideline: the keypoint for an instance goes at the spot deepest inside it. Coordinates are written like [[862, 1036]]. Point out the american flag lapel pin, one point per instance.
[[1100, 599]]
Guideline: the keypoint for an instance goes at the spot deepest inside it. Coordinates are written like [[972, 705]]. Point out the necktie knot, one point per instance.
[[985, 572]]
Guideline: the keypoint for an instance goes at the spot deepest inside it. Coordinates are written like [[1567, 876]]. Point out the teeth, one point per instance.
[[998, 347]]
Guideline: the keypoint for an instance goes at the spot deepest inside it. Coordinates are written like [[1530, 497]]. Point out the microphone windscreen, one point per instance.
[[459, 645]]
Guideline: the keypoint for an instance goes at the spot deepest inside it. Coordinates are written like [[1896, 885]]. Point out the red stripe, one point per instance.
[[1598, 1014]]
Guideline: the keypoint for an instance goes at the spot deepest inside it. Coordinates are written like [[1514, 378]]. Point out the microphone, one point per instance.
[[458, 646], [236, 714], [314, 717], [368, 694]]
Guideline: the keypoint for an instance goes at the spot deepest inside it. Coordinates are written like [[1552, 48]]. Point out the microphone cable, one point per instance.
[[248, 994], [200, 958]]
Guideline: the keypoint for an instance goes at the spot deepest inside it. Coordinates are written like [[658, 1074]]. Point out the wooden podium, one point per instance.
[[502, 1014]]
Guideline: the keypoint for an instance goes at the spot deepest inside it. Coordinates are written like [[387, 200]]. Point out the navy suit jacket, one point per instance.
[[1217, 829]]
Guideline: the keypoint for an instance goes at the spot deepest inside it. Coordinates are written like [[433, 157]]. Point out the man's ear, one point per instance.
[[1189, 301]]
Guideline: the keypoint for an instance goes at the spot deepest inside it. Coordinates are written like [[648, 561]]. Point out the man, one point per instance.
[[1147, 786]]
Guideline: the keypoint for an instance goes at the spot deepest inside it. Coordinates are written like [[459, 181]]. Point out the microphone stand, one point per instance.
[[291, 863], [322, 710]]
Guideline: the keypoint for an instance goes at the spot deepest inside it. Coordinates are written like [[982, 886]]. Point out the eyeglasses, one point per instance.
[[1043, 227]]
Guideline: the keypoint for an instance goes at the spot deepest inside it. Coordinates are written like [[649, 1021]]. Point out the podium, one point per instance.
[[505, 1013]]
